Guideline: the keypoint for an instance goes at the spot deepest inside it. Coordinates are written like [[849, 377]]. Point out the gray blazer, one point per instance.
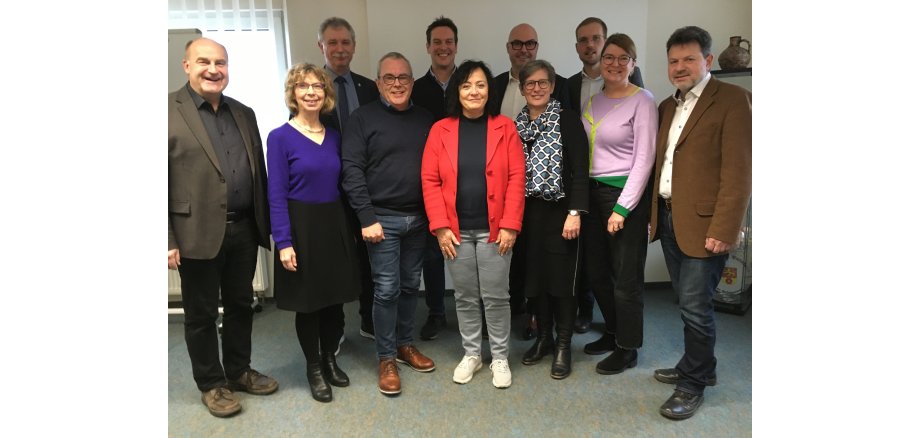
[[197, 188]]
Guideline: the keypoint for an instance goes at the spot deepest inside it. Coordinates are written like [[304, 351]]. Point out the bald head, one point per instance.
[[205, 64], [522, 46]]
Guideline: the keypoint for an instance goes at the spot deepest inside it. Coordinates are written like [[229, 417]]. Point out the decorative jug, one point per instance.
[[735, 57]]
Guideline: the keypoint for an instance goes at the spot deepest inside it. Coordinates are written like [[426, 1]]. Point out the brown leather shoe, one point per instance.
[[410, 355], [221, 402], [254, 382], [388, 381]]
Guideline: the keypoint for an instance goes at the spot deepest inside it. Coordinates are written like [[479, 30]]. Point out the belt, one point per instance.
[[236, 216], [665, 202]]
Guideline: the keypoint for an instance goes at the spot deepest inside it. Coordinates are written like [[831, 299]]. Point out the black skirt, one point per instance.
[[552, 262], [327, 264]]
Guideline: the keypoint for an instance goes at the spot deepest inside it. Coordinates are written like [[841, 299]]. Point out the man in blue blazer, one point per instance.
[[218, 218]]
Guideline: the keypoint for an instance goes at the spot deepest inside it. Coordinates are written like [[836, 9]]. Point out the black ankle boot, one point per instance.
[[562, 362], [618, 361], [331, 371], [541, 347], [321, 390], [544, 343]]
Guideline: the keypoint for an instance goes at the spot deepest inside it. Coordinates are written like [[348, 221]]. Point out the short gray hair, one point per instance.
[[393, 55], [334, 22], [534, 66]]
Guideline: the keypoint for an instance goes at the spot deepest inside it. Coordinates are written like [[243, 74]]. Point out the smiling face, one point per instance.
[[338, 48], [474, 93], [397, 93], [614, 73], [443, 47], [518, 57], [310, 99], [589, 39], [537, 98], [687, 66], [205, 64]]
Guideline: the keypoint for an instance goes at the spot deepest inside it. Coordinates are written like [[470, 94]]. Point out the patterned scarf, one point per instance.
[[543, 160]]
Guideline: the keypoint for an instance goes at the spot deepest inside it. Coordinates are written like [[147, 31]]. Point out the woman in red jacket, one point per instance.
[[473, 183]]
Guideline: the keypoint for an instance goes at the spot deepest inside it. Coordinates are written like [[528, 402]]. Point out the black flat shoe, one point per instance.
[[582, 324], [681, 405], [670, 376], [618, 361]]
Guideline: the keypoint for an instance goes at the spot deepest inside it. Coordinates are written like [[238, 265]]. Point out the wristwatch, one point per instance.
[[574, 213]]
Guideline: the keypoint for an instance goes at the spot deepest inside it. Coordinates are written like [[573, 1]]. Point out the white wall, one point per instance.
[[483, 25]]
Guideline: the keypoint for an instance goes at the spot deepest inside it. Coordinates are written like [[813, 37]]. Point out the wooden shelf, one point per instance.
[[732, 73]]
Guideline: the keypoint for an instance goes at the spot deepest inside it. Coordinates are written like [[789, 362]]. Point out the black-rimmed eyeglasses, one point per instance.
[[390, 79], [542, 83], [518, 44], [621, 60]]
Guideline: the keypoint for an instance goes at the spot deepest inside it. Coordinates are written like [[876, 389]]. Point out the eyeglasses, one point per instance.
[[529, 44], [543, 83], [594, 39], [302, 86], [390, 79], [622, 60]]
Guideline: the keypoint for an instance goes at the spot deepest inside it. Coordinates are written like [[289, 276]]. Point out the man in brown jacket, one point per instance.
[[702, 188], [218, 218]]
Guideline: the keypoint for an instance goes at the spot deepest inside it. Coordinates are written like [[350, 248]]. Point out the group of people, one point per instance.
[[538, 193]]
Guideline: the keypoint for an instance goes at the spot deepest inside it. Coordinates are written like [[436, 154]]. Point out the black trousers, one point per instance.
[[615, 264], [206, 284]]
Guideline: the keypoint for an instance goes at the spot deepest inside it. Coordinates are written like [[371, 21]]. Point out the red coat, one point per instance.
[[504, 175]]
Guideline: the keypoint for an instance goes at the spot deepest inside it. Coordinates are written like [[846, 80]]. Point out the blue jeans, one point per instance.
[[396, 265], [694, 280]]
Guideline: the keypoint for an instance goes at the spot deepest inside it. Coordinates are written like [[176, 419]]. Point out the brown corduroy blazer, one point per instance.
[[711, 174]]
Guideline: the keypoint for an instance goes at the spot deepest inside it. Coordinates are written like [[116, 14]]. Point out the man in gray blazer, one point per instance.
[[702, 187], [218, 218]]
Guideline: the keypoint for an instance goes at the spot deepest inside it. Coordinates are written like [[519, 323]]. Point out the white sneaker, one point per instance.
[[501, 373], [467, 367]]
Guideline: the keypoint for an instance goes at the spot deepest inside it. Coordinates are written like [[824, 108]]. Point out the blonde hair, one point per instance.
[[296, 75]]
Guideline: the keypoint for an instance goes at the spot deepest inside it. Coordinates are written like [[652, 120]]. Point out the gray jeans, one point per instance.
[[479, 272]]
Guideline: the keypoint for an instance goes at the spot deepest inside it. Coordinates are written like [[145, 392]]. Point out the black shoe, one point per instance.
[[562, 363], [618, 361], [318, 387], [583, 323], [530, 328], [606, 344], [367, 328], [332, 373], [543, 346], [670, 376], [681, 405], [432, 327]]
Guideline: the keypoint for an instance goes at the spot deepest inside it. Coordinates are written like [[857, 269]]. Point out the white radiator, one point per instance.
[[261, 281]]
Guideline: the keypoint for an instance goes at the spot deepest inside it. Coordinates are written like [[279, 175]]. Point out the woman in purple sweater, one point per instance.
[[316, 268], [621, 122]]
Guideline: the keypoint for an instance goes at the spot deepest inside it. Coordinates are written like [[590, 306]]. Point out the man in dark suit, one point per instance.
[[702, 188], [590, 36], [522, 47], [429, 93], [218, 218], [336, 39]]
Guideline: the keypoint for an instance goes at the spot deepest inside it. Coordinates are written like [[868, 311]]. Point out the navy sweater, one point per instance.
[[382, 160]]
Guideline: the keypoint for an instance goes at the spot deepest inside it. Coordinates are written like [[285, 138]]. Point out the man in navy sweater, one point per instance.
[[381, 165]]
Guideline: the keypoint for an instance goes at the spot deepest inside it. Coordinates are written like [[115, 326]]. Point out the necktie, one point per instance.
[[342, 101]]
